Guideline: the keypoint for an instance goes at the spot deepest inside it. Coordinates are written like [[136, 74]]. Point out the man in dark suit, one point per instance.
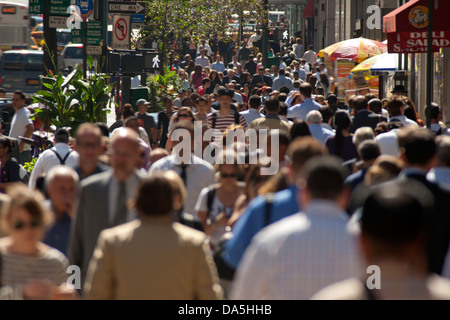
[[418, 152], [261, 79], [230, 77], [364, 117], [102, 198], [251, 65]]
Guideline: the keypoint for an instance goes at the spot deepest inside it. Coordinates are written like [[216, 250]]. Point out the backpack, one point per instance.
[[224, 270], [236, 119]]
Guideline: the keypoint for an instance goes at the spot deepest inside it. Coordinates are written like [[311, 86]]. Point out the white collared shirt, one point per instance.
[[199, 174], [297, 256], [250, 115], [48, 159]]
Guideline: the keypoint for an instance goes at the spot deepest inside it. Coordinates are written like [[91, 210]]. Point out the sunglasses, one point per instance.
[[228, 175], [184, 116], [19, 225]]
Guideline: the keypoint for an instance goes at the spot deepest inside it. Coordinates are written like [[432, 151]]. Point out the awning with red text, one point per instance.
[[407, 27]]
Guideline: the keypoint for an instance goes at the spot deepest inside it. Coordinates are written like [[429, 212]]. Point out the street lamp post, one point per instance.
[[429, 95], [265, 35]]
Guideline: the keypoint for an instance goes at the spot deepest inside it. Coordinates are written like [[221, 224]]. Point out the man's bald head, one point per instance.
[[125, 134], [360, 103]]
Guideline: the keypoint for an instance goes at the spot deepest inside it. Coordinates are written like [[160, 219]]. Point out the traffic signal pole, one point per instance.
[[50, 52]]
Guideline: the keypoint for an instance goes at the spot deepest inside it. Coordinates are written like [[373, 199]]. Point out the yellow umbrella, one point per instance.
[[365, 66], [358, 49]]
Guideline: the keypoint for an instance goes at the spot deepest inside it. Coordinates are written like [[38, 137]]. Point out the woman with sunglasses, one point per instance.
[[30, 269], [254, 180], [183, 114], [216, 204]]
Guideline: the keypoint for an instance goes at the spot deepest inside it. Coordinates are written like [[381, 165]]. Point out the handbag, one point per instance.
[[224, 270]]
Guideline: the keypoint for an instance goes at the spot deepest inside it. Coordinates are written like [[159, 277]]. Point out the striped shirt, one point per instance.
[[222, 122], [294, 258], [18, 269]]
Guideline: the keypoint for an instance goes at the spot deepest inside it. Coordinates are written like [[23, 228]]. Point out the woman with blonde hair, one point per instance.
[[30, 269]]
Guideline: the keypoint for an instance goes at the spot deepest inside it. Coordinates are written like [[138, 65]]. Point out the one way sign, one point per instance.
[[126, 7]]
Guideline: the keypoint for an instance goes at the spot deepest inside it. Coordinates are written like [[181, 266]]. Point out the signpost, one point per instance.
[[94, 33], [86, 8], [126, 7], [121, 32], [59, 7], [58, 22], [36, 7]]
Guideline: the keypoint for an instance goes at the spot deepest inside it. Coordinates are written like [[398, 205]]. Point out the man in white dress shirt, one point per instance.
[[196, 173], [254, 103], [60, 154], [295, 257]]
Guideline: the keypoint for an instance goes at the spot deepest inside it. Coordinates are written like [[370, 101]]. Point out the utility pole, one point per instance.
[[265, 35], [50, 41], [430, 60]]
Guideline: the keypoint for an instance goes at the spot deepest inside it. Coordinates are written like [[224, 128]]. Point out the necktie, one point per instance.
[[120, 212], [183, 174]]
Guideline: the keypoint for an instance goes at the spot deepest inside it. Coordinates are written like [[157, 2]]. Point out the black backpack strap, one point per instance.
[[62, 160], [210, 198], [268, 211], [214, 119]]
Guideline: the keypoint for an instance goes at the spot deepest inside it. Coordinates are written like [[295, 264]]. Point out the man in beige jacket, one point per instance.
[[152, 257]]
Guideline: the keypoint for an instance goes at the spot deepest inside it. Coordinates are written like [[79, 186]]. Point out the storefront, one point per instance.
[[407, 32]]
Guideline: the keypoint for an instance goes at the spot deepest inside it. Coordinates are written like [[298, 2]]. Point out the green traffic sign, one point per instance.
[[93, 33], [59, 7], [76, 36], [36, 7]]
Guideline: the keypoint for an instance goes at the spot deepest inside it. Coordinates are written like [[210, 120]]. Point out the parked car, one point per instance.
[[72, 55], [21, 70]]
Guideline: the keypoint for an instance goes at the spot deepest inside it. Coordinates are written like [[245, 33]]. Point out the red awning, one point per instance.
[[413, 17], [309, 10], [407, 27]]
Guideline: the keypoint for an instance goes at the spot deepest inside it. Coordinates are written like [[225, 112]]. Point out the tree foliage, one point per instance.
[[169, 22]]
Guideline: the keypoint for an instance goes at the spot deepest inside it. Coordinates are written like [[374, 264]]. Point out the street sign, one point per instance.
[[126, 7], [121, 32], [36, 7], [86, 7], [58, 22], [59, 7], [93, 50], [76, 36], [138, 18], [94, 33]]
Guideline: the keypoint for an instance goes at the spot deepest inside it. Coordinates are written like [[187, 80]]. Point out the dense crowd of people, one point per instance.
[[143, 215]]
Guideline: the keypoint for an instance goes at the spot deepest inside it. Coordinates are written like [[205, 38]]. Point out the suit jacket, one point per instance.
[[227, 80], [366, 118], [153, 259], [438, 221], [257, 79], [91, 217]]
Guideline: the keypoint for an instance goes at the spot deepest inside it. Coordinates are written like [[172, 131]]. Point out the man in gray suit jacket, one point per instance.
[[102, 199]]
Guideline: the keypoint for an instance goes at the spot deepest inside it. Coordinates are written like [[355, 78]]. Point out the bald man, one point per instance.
[[103, 197], [61, 184]]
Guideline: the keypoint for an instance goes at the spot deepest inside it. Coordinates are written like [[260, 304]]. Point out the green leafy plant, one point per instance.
[[72, 100], [29, 166], [162, 85]]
